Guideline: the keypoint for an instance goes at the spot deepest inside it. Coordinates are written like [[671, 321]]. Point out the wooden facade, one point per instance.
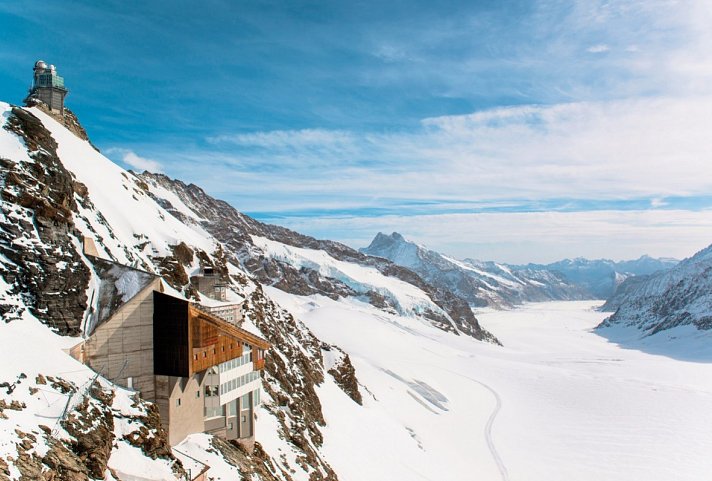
[[188, 340]]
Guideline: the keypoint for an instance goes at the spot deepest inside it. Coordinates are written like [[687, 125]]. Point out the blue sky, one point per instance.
[[514, 131]]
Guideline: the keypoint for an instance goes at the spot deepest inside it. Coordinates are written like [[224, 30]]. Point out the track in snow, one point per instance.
[[488, 427]]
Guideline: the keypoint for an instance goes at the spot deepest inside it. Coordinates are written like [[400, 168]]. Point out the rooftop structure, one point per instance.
[[211, 284], [48, 87]]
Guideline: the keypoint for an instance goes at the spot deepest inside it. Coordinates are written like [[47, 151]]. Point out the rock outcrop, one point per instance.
[[37, 232]]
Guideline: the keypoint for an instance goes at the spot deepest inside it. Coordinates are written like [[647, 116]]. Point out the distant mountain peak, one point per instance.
[[480, 283]]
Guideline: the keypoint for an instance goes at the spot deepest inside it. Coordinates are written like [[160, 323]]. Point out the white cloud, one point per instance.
[[600, 48], [130, 158], [648, 147]]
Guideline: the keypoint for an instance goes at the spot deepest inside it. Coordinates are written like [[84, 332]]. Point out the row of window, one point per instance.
[[239, 382], [237, 362]]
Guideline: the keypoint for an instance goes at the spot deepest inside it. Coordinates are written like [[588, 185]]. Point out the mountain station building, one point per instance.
[[201, 371]]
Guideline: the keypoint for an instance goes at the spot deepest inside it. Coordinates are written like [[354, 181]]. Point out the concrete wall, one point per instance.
[[232, 313], [180, 403], [122, 347], [54, 98], [246, 421], [212, 286]]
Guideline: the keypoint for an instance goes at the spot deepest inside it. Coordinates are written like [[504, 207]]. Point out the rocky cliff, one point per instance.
[[681, 296]]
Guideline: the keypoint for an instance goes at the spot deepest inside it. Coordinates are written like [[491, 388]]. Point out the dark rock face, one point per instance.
[[344, 373], [92, 430], [37, 231], [233, 229], [150, 436]]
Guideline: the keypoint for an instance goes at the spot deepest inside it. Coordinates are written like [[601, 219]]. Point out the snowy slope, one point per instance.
[[118, 197], [138, 221], [114, 208], [407, 299], [676, 298], [557, 402], [480, 283], [277, 256]]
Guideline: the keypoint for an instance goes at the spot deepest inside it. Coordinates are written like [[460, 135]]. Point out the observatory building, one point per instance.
[[48, 87]]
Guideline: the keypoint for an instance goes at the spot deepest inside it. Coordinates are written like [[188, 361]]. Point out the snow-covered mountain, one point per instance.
[[369, 375], [303, 265], [57, 190], [480, 283], [681, 296], [601, 277]]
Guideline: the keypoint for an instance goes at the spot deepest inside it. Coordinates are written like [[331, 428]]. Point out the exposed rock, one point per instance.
[[150, 436], [255, 464], [183, 253], [64, 465], [172, 271], [92, 430], [4, 471], [291, 384], [47, 269], [344, 375]]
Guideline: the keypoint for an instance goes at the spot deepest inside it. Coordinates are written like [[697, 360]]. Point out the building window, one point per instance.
[[195, 357], [178, 402], [129, 383], [197, 393]]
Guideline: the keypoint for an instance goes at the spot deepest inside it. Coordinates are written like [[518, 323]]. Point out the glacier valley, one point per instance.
[[557, 402]]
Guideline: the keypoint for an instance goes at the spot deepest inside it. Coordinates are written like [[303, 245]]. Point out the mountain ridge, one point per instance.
[[59, 190], [493, 284], [681, 296]]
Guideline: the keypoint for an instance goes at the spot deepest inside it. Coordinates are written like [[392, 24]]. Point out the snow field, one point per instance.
[[558, 402]]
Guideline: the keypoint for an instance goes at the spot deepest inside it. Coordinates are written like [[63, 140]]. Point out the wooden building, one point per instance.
[[201, 371]]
